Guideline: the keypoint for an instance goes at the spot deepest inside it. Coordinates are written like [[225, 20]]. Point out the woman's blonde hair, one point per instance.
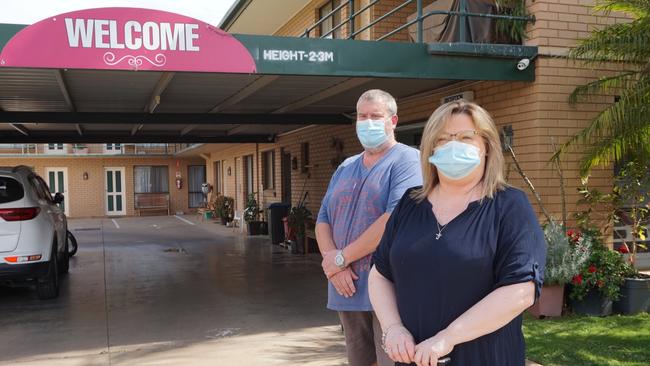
[[493, 177]]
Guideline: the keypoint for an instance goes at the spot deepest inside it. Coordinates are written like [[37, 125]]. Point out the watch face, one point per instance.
[[338, 260]]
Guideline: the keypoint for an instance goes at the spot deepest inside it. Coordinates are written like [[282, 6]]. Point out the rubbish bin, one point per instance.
[[276, 228]]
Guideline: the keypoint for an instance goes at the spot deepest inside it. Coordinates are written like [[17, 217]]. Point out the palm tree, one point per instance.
[[622, 130]]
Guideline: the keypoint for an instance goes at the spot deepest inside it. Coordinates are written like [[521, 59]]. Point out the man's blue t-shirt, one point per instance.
[[356, 197]]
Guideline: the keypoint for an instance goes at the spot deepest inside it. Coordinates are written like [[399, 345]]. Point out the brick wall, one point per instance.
[[86, 198], [560, 23]]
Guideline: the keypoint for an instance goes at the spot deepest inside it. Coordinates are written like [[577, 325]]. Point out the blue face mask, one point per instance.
[[371, 133], [456, 160]]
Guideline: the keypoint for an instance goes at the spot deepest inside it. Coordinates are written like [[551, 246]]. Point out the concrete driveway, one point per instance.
[[170, 291]]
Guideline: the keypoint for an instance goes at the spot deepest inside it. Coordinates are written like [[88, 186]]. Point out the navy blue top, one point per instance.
[[493, 243]]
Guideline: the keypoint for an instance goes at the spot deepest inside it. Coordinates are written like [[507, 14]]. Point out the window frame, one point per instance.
[[268, 175]]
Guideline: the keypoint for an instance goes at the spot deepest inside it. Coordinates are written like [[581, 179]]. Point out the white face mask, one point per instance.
[[372, 133], [456, 160]]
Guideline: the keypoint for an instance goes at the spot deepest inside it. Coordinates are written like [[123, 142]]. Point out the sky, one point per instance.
[[31, 11]]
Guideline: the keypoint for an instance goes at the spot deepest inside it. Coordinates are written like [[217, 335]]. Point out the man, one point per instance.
[[361, 195]]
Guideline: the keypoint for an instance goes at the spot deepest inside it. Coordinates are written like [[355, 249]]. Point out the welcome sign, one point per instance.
[[126, 39]]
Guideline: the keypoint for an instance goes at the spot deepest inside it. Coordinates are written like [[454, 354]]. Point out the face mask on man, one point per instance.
[[456, 160], [371, 133]]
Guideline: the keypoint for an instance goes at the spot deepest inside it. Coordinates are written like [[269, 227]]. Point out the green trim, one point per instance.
[[482, 49], [350, 58], [7, 31]]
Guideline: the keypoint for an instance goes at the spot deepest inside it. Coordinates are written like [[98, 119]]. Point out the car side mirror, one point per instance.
[[58, 198]]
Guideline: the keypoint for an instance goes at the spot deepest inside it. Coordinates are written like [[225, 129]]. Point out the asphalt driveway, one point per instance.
[[168, 290]]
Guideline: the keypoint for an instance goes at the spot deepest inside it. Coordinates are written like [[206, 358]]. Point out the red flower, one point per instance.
[[623, 249], [577, 280], [574, 235], [592, 269], [600, 283]]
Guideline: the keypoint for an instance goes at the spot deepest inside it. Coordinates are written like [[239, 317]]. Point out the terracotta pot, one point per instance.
[[550, 302]]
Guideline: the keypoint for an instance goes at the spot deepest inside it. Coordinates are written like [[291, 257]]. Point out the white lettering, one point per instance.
[[79, 29], [100, 32], [172, 40], [151, 36], [190, 36], [132, 43], [112, 26]]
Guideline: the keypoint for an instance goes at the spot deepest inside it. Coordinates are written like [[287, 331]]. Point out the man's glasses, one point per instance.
[[466, 136]]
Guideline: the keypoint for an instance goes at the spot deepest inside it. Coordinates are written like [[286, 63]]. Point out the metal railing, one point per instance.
[[463, 14], [92, 149]]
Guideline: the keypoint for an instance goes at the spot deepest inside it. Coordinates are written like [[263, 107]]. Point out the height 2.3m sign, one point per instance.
[[126, 39]]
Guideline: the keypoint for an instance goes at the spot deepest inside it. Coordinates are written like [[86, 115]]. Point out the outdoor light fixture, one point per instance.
[[85, 176], [506, 137], [229, 171]]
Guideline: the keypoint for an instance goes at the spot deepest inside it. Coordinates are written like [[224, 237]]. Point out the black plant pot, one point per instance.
[[593, 304], [635, 296], [257, 228]]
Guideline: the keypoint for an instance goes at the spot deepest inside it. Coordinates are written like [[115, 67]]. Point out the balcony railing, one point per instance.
[[420, 15], [91, 149]]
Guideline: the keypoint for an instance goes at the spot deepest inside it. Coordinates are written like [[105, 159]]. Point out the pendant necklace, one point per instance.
[[441, 228]]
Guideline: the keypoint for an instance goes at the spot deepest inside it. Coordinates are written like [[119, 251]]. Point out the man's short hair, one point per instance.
[[379, 96]]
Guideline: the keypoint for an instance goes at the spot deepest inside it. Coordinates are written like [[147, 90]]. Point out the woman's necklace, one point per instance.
[[441, 228]]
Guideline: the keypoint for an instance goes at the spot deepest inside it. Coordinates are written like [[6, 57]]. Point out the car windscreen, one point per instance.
[[10, 190]]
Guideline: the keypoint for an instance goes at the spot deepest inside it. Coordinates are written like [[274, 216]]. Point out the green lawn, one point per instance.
[[584, 341]]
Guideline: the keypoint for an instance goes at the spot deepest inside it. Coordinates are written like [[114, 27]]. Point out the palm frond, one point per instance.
[[617, 130], [637, 8], [615, 149], [626, 42], [604, 85]]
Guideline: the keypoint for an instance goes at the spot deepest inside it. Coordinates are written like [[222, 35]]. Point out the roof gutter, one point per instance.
[[233, 14]]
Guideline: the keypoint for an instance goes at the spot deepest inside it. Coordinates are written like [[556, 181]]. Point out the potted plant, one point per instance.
[[297, 220], [227, 210], [599, 281], [251, 216], [566, 252], [632, 194]]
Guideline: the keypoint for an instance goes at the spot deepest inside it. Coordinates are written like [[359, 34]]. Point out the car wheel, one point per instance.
[[48, 287], [72, 244], [64, 266]]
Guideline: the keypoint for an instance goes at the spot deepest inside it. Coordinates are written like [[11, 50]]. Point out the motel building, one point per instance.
[[124, 109]]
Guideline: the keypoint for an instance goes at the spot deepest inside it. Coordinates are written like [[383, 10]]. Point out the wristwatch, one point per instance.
[[339, 259]]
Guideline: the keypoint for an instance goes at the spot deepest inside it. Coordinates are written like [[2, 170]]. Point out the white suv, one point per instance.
[[33, 240]]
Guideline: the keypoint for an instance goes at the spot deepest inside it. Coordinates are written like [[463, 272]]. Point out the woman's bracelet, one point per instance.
[[384, 334]]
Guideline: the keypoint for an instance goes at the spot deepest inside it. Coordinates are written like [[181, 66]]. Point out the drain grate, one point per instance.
[[87, 229], [176, 250]]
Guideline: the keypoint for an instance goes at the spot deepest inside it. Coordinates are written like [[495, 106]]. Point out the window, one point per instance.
[[10, 190], [112, 148], [151, 179], [195, 179], [218, 178], [248, 175], [54, 149], [332, 21], [304, 154], [268, 169]]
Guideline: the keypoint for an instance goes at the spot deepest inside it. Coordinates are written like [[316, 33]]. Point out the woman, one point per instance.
[[461, 257]]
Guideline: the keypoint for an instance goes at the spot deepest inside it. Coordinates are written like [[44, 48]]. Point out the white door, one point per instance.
[[57, 180], [114, 189]]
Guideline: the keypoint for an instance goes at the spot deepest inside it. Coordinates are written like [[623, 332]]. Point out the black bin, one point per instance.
[[276, 227]]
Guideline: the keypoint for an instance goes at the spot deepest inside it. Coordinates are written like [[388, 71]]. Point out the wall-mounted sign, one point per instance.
[[126, 39], [468, 96]]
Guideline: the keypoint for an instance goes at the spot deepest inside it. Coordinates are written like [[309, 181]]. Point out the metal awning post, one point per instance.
[[462, 36], [351, 17], [420, 21]]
